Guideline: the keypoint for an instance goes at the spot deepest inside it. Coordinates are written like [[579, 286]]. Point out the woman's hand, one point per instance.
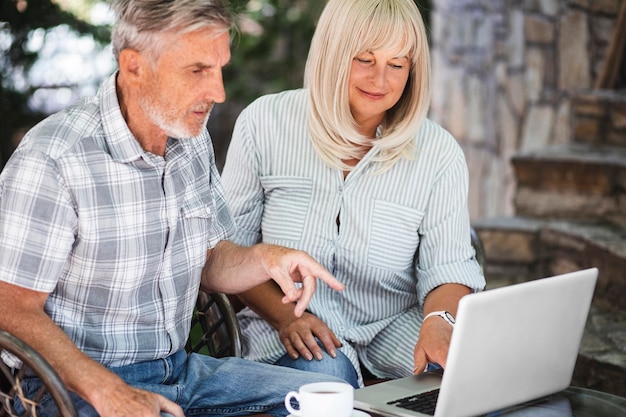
[[432, 345], [299, 337]]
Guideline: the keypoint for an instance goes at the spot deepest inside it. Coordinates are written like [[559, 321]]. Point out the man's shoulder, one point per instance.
[[58, 133]]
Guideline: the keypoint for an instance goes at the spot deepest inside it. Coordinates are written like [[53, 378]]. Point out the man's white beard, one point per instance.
[[172, 126]]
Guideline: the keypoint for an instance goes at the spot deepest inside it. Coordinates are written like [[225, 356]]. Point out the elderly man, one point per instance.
[[112, 216]]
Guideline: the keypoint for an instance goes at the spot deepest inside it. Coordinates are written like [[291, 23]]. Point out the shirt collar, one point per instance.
[[122, 144]]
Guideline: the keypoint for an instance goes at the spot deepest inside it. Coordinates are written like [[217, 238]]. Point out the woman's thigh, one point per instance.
[[340, 366]]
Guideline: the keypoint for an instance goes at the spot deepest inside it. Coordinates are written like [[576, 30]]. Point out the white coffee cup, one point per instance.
[[322, 399]]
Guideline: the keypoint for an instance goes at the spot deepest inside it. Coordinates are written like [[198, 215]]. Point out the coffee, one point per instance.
[[322, 399]]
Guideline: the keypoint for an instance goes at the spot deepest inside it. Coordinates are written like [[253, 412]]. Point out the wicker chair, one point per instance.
[[32, 364], [214, 327], [214, 324]]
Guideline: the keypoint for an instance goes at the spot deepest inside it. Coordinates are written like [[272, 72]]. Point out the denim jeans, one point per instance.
[[339, 367], [206, 386]]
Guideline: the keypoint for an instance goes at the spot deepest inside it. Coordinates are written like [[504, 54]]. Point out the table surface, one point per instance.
[[572, 402]]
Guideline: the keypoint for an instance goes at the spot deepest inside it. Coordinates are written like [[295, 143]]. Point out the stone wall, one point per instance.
[[504, 73]]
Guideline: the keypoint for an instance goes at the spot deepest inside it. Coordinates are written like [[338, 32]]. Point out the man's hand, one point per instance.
[[299, 335], [433, 344], [286, 266], [233, 269], [134, 402]]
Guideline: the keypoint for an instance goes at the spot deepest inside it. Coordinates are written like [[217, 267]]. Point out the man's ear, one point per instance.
[[131, 64]]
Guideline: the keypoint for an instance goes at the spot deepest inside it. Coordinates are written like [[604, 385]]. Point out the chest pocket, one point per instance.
[[195, 226], [393, 237], [287, 201]]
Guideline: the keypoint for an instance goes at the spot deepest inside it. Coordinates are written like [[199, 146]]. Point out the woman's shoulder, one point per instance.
[[432, 135], [281, 101]]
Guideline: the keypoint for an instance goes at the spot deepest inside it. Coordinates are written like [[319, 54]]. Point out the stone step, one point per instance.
[[601, 361], [512, 251], [518, 249], [572, 181], [599, 117]]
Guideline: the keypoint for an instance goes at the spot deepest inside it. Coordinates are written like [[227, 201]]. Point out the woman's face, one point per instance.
[[377, 81]]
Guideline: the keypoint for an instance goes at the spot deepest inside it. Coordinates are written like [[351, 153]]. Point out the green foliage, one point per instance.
[[18, 20], [270, 49]]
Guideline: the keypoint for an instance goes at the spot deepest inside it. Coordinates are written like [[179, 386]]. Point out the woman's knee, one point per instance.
[[339, 366]]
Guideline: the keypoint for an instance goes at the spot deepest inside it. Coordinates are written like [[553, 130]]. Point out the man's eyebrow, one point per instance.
[[202, 65]]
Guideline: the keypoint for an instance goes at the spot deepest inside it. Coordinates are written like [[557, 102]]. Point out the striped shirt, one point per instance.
[[116, 235], [400, 234]]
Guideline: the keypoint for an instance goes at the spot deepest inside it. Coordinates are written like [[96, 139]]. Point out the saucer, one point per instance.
[[355, 413]]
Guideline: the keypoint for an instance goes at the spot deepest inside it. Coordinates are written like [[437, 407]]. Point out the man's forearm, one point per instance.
[[27, 321], [232, 269]]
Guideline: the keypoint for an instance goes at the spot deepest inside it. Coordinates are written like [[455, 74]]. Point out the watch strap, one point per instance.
[[445, 315]]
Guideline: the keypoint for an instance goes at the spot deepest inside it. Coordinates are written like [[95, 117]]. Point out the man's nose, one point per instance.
[[216, 91]]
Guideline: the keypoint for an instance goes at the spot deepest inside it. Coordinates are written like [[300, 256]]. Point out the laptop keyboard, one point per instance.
[[424, 402]]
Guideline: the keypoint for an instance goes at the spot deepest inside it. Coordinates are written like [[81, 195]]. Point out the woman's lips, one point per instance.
[[371, 95]]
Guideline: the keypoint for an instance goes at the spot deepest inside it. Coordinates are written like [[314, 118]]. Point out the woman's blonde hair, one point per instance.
[[345, 29]]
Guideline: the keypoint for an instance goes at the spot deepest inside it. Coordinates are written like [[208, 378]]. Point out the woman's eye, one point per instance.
[[396, 66], [364, 60]]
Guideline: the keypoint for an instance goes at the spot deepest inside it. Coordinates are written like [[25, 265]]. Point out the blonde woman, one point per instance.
[[350, 169]]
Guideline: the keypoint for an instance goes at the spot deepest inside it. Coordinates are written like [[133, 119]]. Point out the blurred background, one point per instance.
[[54, 52]]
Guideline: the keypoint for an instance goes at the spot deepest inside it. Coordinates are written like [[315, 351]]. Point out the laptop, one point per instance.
[[510, 345]]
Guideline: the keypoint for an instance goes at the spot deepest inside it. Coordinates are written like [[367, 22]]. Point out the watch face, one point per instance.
[[449, 316]]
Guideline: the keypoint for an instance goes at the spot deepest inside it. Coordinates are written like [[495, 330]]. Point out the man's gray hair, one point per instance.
[[139, 23]]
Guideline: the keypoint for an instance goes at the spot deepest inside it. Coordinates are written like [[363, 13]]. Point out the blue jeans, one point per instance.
[[205, 386], [339, 367]]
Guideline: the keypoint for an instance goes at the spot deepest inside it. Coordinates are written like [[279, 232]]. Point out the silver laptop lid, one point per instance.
[[515, 343]]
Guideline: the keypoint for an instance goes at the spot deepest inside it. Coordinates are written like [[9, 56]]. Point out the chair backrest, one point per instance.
[[477, 243], [214, 327], [32, 364]]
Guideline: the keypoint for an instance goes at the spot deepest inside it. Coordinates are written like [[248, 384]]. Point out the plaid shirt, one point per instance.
[[116, 235]]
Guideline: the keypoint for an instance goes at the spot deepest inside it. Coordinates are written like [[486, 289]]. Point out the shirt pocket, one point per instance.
[[194, 227], [393, 237], [287, 201]]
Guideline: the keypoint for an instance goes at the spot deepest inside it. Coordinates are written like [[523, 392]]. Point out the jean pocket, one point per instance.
[[393, 238], [287, 201]]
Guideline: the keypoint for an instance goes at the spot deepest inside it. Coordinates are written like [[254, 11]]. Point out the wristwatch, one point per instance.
[[446, 315]]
